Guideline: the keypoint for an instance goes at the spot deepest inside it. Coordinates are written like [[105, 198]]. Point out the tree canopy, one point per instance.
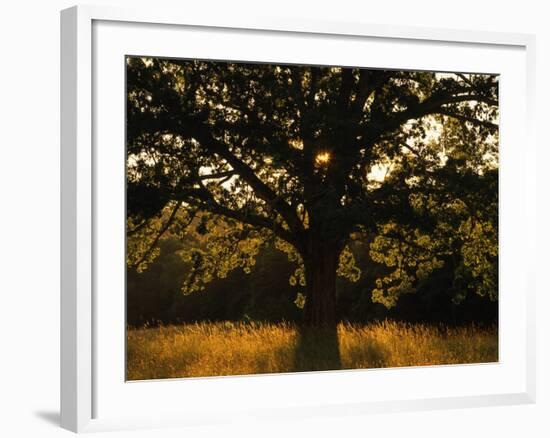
[[307, 159]]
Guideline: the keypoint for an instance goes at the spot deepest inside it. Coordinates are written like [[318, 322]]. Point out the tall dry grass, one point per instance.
[[226, 348]]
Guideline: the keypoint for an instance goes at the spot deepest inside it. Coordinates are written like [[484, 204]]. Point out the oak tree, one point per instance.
[[307, 158]]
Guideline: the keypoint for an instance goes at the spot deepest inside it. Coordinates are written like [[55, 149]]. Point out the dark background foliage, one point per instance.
[[154, 296]]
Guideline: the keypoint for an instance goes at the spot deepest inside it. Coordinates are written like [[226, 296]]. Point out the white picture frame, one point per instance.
[[83, 369]]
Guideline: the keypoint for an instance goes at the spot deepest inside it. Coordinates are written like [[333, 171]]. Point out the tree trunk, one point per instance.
[[318, 347], [321, 263]]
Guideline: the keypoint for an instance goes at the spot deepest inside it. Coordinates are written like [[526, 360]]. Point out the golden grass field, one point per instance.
[[226, 348]]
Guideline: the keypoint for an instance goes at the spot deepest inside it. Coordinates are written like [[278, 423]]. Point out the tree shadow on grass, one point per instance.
[[317, 349]]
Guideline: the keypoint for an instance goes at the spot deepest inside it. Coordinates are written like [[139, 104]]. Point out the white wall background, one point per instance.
[[29, 217]]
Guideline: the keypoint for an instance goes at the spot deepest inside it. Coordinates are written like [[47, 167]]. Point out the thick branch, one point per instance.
[[208, 202], [245, 217], [485, 123], [345, 88], [432, 105], [369, 82], [202, 134], [218, 175]]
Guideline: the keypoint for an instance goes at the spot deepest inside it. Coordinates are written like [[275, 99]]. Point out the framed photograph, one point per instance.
[[287, 218]]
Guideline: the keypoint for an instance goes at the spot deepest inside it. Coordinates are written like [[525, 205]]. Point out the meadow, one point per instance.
[[238, 348]]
